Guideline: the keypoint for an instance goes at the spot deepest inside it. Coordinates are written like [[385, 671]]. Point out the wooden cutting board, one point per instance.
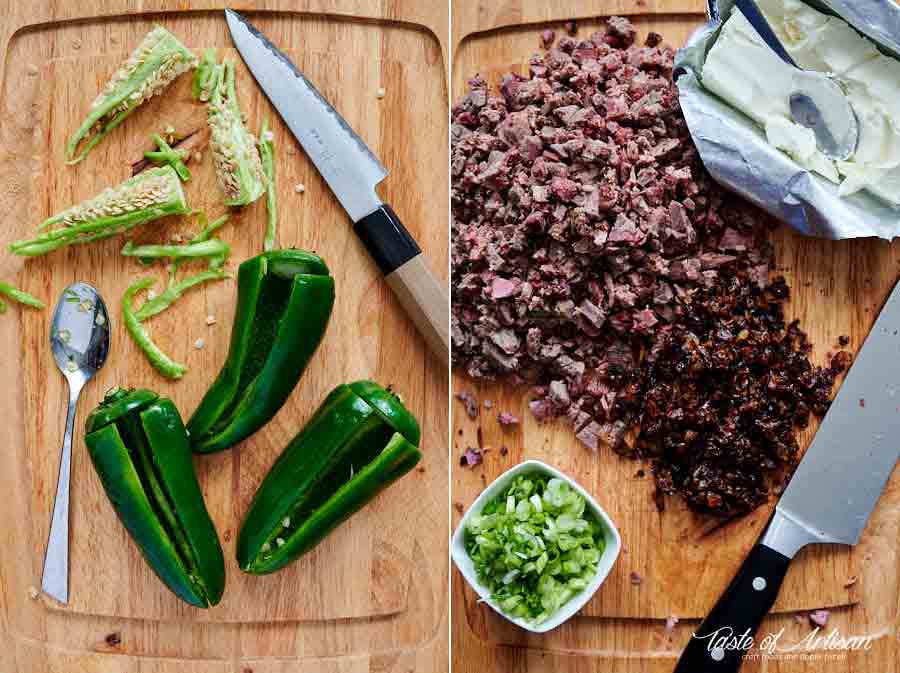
[[372, 597], [685, 561]]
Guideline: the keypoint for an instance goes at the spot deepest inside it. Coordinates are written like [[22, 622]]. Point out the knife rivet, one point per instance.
[[717, 654], [759, 583]]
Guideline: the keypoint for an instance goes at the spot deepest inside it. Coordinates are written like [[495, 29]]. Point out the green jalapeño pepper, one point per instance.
[[284, 303], [359, 441], [141, 452]]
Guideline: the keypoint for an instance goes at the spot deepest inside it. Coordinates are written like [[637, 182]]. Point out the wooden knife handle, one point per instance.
[[400, 259]]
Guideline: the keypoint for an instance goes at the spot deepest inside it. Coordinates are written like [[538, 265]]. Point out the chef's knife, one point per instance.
[[829, 499], [352, 172]]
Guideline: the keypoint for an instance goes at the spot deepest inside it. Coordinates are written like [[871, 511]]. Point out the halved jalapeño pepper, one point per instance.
[[141, 452], [359, 441], [285, 299]]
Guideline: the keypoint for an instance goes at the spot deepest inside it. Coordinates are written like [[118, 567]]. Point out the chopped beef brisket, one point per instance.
[[595, 259]]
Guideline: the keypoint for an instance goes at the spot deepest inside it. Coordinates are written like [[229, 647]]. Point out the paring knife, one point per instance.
[[829, 499], [352, 172]]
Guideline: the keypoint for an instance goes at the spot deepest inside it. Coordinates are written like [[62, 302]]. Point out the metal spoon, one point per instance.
[[79, 337], [817, 101]]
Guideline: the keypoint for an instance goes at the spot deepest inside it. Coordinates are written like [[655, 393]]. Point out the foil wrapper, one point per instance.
[[735, 151]]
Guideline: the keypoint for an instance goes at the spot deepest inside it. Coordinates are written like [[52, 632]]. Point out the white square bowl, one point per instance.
[[610, 552]]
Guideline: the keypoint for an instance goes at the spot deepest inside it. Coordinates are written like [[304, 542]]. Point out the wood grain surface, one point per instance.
[[373, 596], [685, 561]]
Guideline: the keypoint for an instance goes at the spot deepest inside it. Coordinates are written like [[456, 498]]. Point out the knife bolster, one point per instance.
[[787, 536], [386, 239]]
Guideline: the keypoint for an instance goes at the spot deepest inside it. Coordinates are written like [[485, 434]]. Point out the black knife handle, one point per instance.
[[386, 239], [716, 646]]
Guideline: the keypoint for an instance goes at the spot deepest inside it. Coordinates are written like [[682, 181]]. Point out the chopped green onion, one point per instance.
[[20, 296], [160, 361], [267, 156], [534, 546]]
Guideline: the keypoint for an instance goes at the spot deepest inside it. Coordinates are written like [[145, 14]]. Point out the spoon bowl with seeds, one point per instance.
[[79, 339]]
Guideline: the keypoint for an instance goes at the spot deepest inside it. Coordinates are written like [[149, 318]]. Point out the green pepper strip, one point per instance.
[[284, 303], [209, 248], [347, 454], [139, 448], [266, 155], [174, 291], [167, 154], [209, 229], [176, 288], [160, 361], [20, 296]]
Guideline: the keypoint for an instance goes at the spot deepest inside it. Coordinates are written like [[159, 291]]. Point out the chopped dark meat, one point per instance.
[[471, 457], [547, 38], [595, 259], [506, 419], [843, 340], [470, 403], [819, 618]]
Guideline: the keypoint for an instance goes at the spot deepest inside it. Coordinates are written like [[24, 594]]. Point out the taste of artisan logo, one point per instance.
[[725, 639]]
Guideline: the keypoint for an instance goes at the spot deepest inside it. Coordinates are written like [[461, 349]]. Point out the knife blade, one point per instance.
[[352, 172], [829, 499]]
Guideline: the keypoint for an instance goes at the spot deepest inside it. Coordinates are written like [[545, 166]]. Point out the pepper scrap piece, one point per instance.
[[168, 155], [152, 66], [239, 170], [214, 247], [19, 296], [360, 441], [267, 156], [174, 290], [160, 361], [140, 450], [148, 196], [205, 76], [284, 303]]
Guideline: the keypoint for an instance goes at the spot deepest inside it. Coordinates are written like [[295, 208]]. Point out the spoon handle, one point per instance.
[[55, 581], [752, 13]]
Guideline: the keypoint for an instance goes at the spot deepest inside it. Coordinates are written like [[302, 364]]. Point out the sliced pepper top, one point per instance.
[[389, 406], [118, 402]]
